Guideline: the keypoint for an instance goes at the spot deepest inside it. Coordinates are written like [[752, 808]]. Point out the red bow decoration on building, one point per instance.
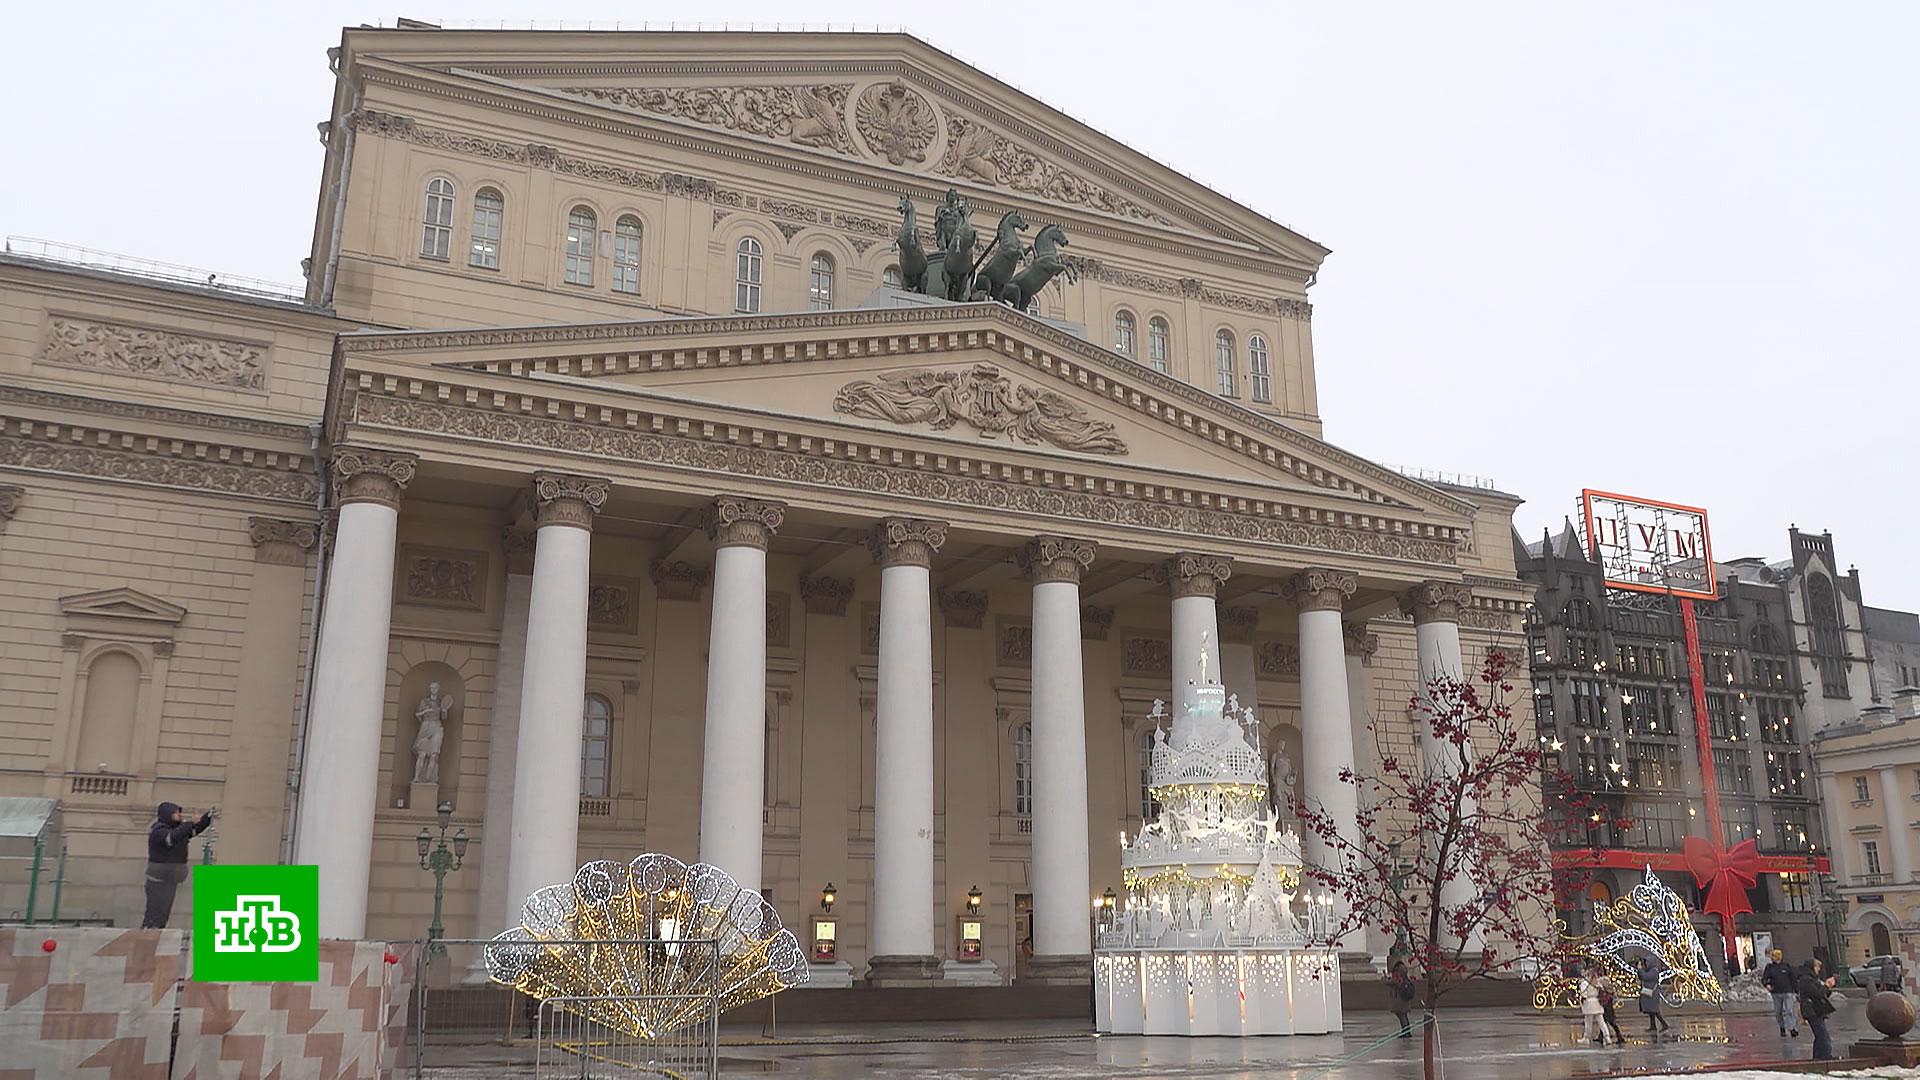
[[1727, 874]]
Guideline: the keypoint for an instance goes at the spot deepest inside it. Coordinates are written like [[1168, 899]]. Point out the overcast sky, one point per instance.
[[1667, 249]]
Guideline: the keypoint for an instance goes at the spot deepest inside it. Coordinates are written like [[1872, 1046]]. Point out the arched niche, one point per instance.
[[414, 688], [112, 689]]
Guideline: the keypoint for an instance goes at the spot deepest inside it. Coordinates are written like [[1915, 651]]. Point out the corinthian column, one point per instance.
[[1435, 607], [1063, 951], [901, 942], [342, 760], [544, 846], [1193, 579], [1326, 718], [734, 773]]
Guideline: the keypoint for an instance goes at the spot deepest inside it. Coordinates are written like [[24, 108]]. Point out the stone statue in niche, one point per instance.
[[432, 715]]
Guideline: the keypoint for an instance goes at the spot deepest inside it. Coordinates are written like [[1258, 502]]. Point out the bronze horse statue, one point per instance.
[[913, 257], [951, 275], [1002, 257], [1045, 265]]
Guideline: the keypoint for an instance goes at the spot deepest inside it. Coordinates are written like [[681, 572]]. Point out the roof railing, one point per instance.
[[153, 269]]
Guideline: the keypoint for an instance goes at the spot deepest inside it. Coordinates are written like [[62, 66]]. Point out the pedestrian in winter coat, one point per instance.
[[1816, 1004], [1784, 984], [1400, 998], [1592, 1015], [1650, 998], [167, 840]]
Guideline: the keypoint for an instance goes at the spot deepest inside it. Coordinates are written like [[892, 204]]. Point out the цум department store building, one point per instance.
[[595, 396]]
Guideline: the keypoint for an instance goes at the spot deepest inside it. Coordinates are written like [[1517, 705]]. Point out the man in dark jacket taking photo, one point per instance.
[[167, 840]]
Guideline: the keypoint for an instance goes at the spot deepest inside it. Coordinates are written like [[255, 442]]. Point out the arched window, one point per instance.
[[436, 219], [626, 255], [746, 275], [483, 247], [820, 283], [1259, 370], [1023, 770], [1225, 372], [1159, 345], [1829, 635], [1123, 327], [1579, 614], [107, 713], [596, 740], [1149, 806], [890, 277], [580, 227]]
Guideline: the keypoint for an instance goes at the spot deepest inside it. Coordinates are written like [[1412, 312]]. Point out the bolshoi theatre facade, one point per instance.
[[617, 481]]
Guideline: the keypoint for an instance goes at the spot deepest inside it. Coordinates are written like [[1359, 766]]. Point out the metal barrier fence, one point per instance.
[[629, 1008]]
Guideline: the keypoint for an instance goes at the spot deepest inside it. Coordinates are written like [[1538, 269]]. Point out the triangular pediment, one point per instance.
[[957, 379], [123, 603], [883, 101]]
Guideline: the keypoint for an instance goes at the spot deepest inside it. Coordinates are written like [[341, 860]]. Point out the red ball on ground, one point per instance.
[[49, 945]]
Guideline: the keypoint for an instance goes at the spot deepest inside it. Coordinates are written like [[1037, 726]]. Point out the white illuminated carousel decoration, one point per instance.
[[1216, 936]]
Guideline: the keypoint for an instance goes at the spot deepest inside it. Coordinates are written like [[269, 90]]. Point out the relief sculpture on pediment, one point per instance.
[[807, 115], [983, 399], [897, 123], [977, 152]]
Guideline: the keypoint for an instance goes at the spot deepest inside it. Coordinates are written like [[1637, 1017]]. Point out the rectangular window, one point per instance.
[[1790, 828], [1732, 771], [1796, 893], [1654, 825], [1737, 824], [1870, 856], [1861, 792], [1652, 765], [1776, 720], [484, 247], [1543, 707], [1726, 717], [1646, 710], [1589, 707], [1785, 773]]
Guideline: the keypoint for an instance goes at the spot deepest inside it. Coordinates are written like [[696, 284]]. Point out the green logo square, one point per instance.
[[256, 923]]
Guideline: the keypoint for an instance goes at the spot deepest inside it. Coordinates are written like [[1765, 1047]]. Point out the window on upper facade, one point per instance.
[[1259, 370], [746, 275], [483, 248], [1225, 370], [892, 278], [1159, 345], [1023, 770], [1123, 328], [1652, 765], [1870, 856], [1790, 829], [1646, 710], [1786, 773], [581, 224], [1776, 719], [436, 219], [595, 745], [820, 283], [1654, 825], [1861, 791], [1732, 771], [1543, 705], [1796, 891], [1828, 636], [626, 254], [1589, 704], [1737, 823]]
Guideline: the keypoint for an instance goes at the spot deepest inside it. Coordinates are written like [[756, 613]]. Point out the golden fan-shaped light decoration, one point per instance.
[[647, 947]]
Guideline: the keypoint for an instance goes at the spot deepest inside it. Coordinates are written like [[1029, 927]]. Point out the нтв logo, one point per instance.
[[256, 923]]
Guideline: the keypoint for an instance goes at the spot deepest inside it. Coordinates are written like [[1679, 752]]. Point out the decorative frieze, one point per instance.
[[1095, 622], [1013, 643], [804, 115], [1485, 619], [964, 609], [983, 399], [679, 579], [11, 495], [375, 476], [154, 354], [1279, 659], [1143, 654], [613, 604], [282, 543], [1055, 558], [900, 541], [736, 522], [1320, 589], [566, 499], [1359, 642], [1436, 601], [148, 461], [979, 153], [1237, 625], [1194, 574], [443, 577], [825, 595], [779, 620]]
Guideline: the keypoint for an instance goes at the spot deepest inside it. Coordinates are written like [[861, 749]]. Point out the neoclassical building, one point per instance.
[[604, 484]]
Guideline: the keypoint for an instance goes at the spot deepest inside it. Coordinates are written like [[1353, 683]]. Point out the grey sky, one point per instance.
[[1668, 249]]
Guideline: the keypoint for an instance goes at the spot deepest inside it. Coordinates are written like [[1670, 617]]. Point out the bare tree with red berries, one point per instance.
[[1452, 849]]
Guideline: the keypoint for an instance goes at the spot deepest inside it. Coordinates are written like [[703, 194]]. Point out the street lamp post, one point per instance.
[[439, 861]]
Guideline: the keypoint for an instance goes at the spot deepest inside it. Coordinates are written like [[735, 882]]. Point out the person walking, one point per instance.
[[1607, 1013], [1400, 997], [1784, 984], [1657, 1025], [1816, 1004], [1592, 1016], [167, 840]]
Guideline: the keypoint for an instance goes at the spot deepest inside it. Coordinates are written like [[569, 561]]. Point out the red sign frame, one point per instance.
[[1709, 592]]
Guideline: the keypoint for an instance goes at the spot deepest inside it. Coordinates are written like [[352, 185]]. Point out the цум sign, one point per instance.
[[1649, 546]]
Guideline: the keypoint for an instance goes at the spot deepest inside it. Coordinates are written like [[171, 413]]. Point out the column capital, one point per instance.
[[283, 542], [10, 498], [1194, 574], [902, 541], [1055, 558], [1436, 601], [1358, 642], [825, 595], [732, 521], [566, 499], [1237, 625], [516, 544], [375, 476], [1320, 589]]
